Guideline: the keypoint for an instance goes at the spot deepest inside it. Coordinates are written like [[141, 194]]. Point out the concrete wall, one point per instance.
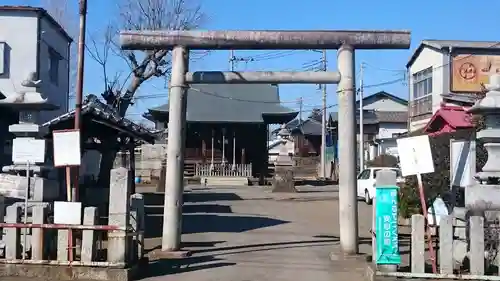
[[148, 160], [19, 31], [57, 93]]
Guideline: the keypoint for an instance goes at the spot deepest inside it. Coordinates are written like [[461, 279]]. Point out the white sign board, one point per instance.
[[26, 150], [462, 162], [67, 212], [415, 155], [67, 148]]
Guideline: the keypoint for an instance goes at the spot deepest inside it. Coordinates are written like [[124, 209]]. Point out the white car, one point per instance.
[[366, 182]]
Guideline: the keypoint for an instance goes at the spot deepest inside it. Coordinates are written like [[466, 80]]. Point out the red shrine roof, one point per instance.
[[448, 119]]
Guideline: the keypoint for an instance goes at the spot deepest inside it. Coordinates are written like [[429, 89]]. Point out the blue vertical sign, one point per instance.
[[386, 229]]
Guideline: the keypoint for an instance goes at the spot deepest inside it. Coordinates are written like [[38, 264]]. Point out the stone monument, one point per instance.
[[483, 197], [283, 172], [26, 146]]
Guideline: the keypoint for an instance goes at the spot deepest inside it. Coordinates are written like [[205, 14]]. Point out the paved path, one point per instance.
[[250, 234]]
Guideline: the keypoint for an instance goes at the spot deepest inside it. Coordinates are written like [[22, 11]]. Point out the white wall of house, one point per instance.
[[34, 43], [54, 53], [385, 104], [430, 58], [18, 35]]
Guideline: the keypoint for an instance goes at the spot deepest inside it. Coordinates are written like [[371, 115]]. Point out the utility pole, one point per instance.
[[323, 124], [231, 60], [361, 121], [300, 109], [82, 10]]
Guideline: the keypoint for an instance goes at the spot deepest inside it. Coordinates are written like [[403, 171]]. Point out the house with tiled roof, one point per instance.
[[385, 116], [444, 76]]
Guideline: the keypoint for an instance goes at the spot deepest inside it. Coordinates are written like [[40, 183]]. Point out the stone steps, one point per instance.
[[224, 181]]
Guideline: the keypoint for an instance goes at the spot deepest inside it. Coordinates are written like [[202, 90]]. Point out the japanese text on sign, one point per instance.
[[387, 226]]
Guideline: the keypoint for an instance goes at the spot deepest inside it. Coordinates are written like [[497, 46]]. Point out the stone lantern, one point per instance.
[[485, 195], [283, 173], [29, 103]]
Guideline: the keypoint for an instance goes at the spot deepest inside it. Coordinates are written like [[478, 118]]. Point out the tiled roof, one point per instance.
[[454, 44], [307, 127], [93, 106], [232, 103]]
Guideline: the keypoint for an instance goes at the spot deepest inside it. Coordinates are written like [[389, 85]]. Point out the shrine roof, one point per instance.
[[449, 119], [238, 103], [107, 116]]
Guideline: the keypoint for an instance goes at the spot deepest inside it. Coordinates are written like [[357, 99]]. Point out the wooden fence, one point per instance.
[[223, 170]]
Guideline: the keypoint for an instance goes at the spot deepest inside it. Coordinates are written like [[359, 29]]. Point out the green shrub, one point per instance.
[[437, 183], [384, 160]]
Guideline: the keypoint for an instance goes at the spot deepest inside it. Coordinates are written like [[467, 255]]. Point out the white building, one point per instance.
[[32, 41], [450, 68], [385, 116]]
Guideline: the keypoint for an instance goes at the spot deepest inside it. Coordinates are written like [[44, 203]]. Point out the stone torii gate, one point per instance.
[[180, 42]]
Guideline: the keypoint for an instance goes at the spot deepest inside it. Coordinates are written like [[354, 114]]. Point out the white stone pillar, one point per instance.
[[234, 152], [212, 152], [223, 146]]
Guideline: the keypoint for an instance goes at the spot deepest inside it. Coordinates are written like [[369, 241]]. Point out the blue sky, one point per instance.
[[426, 19]]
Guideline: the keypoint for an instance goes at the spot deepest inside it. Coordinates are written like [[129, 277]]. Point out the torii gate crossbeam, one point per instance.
[[183, 41]]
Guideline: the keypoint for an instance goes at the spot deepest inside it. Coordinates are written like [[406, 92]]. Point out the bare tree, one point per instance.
[[143, 66]]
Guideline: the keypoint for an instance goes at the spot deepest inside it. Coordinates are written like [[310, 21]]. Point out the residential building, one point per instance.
[[305, 136], [31, 40], [442, 71], [384, 118]]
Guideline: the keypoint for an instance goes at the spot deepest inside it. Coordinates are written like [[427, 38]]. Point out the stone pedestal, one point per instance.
[[483, 198], [283, 179]]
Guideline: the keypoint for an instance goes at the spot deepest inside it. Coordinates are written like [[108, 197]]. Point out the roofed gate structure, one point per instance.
[[227, 130]]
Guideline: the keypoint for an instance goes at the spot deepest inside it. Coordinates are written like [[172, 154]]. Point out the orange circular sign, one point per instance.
[[467, 71]]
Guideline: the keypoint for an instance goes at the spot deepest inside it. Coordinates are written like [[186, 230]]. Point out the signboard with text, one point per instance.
[[386, 230], [470, 71]]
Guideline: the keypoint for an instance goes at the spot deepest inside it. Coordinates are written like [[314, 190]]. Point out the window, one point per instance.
[[54, 59], [364, 175], [422, 83], [421, 106]]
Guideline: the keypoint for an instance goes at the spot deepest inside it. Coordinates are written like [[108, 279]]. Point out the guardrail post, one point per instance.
[[446, 245], [37, 234], [88, 236], [2, 213], [476, 254], [119, 214], [12, 235], [417, 244], [137, 222]]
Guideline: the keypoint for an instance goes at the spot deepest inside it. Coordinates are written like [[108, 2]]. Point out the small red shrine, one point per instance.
[[448, 119]]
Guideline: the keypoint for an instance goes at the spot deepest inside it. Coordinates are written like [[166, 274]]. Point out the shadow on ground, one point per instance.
[[194, 223], [203, 216], [207, 258], [176, 266]]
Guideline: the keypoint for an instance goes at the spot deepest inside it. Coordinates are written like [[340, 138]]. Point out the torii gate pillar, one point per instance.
[[183, 41]]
